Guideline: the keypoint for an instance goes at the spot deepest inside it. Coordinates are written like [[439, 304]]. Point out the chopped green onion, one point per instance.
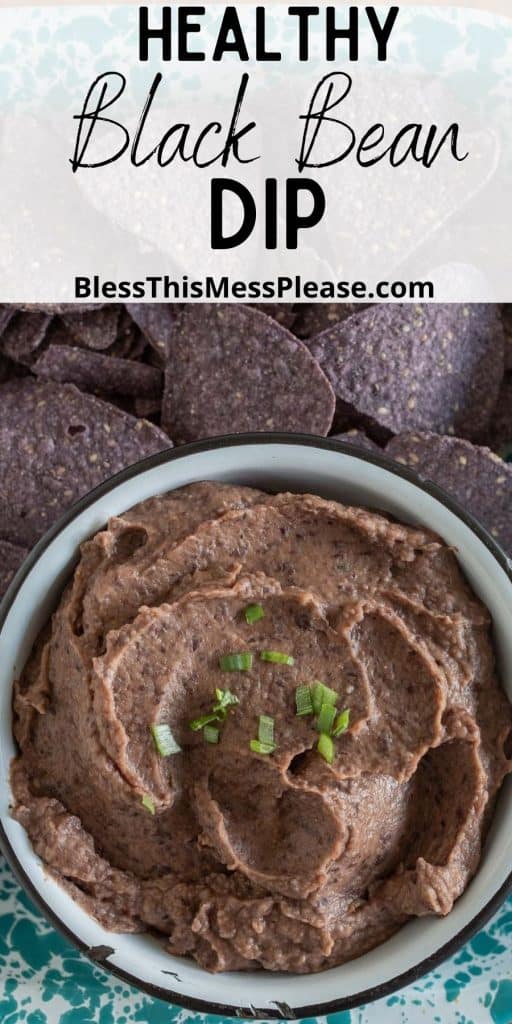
[[199, 723], [211, 734], [236, 662], [225, 700], [266, 730], [253, 613], [164, 740], [303, 700], [277, 657], [341, 723], [325, 747], [148, 803], [262, 748], [321, 694], [325, 720]]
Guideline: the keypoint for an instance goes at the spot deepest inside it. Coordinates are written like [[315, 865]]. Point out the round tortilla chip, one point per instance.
[[97, 372], [130, 342], [11, 557], [55, 445], [232, 369], [157, 321], [475, 476], [283, 312], [434, 367], [96, 329], [57, 308]]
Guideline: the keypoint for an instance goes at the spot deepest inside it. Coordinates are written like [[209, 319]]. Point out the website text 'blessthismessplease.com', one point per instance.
[[163, 288]]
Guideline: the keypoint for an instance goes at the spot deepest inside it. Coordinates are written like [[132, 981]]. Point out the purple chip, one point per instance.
[[57, 443], [96, 329], [232, 369], [507, 326], [23, 336], [475, 476], [157, 321], [130, 342], [405, 367], [98, 373], [11, 557]]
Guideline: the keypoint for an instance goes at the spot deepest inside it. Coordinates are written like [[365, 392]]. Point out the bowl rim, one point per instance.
[[99, 955]]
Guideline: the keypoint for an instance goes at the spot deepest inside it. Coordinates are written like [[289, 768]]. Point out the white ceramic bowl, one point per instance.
[[273, 462]]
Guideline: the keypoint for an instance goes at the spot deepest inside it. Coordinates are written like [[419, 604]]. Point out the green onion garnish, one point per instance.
[[211, 734], [342, 722], [303, 700], [277, 657], [236, 662], [321, 694], [199, 723], [148, 803], [325, 747], [253, 613], [164, 740], [225, 700], [266, 730], [262, 748], [325, 720]]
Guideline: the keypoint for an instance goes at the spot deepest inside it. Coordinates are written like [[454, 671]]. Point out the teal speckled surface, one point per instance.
[[44, 980]]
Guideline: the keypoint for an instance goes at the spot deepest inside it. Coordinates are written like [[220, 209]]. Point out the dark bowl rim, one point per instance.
[[282, 1011]]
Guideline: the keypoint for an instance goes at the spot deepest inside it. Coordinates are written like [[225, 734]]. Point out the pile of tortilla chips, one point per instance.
[[87, 390]]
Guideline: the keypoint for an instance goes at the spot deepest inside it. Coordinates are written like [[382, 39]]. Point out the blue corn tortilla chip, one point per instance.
[[233, 369], [435, 367], [476, 476], [507, 326], [11, 557], [96, 329], [57, 443], [98, 373], [284, 312], [23, 335], [157, 321]]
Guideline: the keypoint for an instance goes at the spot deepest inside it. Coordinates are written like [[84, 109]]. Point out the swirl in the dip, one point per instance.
[[267, 728]]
